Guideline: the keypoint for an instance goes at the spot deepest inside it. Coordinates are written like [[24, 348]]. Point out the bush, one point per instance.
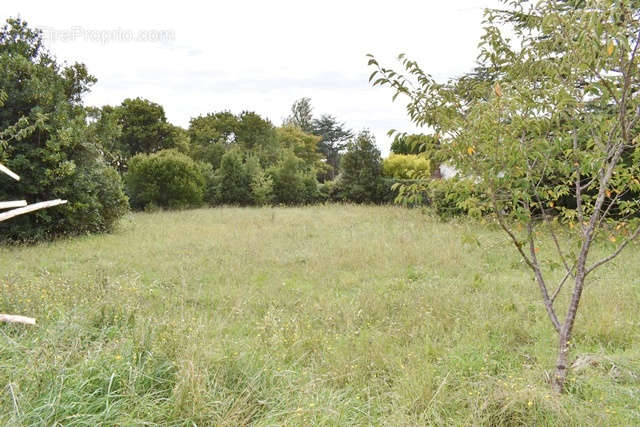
[[455, 197], [167, 179], [407, 166], [361, 178], [211, 153], [233, 182], [288, 181], [53, 159], [96, 202], [261, 189], [101, 192]]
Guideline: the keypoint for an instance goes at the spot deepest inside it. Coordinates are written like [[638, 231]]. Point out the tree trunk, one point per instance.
[[560, 375], [562, 368]]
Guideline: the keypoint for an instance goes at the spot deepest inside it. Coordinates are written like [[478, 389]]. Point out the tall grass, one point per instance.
[[331, 315]]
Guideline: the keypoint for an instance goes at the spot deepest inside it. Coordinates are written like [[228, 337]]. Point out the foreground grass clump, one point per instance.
[[328, 315]]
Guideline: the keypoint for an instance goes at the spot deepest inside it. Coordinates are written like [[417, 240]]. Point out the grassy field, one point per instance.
[[333, 315]]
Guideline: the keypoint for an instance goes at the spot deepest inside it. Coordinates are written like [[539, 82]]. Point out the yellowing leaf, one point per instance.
[[471, 150], [571, 225], [612, 239], [498, 90], [610, 47], [551, 204], [608, 193]]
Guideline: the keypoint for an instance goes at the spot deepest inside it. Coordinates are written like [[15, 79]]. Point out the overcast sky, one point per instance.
[[258, 55]]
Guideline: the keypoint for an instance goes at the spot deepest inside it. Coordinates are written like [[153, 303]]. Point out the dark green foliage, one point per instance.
[[232, 180], [210, 179], [361, 178], [210, 153], [214, 133], [144, 127], [55, 159], [311, 190], [413, 144], [105, 134], [167, 179], [334, 137], [213, 128], [289, 186], [258, 136]]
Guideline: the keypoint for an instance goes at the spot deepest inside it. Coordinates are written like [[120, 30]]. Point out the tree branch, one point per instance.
[[614, 254]]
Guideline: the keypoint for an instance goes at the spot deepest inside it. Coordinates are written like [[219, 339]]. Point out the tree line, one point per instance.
[[109, 159]]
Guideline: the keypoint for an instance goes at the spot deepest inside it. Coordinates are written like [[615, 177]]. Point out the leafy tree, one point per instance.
[[290, 184], [333, 134], [233, 183], [563, 109], [144, 127], [167, 179], [214, 128], [334, 137], [52, 153], [303, 145], [261, 188], [301, 115], [213, 134], [258, 137], [361, 178], [407, 166], [414, 144], [211, 153], [105, 133]]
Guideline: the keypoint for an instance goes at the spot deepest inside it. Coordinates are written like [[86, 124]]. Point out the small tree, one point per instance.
[[554, 141], [361, 166], [167, 179]]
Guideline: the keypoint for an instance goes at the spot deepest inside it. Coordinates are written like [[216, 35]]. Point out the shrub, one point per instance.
[[261, 189], [211, 153], [328, 191], [54, 159], [167, 179], [288, 181], [407, 166], [233, 183], [207, 171], [454, 197], [311, 191], [361, 178]]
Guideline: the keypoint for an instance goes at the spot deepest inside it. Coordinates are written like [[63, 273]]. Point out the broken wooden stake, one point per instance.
[[11, 318], [13, 204], [9, 172], [30, 208]]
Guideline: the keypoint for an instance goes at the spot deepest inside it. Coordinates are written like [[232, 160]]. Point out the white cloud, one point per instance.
[[261, 56]]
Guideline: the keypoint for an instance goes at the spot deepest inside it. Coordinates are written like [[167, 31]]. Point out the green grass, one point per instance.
[[332, 315]]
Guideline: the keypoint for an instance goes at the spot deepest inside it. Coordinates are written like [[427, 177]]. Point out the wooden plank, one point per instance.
[[12, 318], [30, 208], [8, 171], [13, 204]]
